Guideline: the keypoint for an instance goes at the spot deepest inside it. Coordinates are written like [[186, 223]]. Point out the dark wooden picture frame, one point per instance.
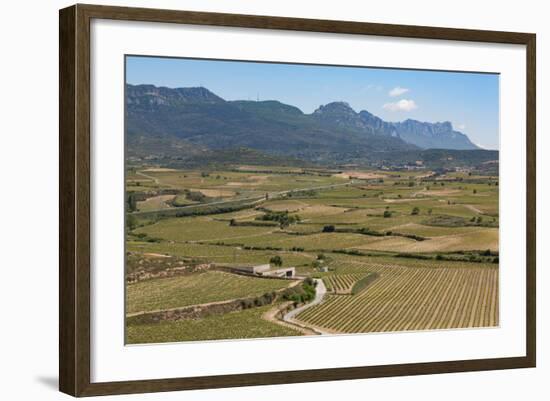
[[74, 203]]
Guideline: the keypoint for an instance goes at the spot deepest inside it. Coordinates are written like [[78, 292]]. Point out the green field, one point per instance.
[[181, 291], [233, 325]]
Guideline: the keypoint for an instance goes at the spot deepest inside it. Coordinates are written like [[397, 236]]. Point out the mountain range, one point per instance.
[[189, 122]]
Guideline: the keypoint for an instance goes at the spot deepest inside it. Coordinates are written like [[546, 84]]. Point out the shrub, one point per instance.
[[283, 218], [246, 303], [415, 211], [328, 229], [195, 196], [387, 213], [276, 261]]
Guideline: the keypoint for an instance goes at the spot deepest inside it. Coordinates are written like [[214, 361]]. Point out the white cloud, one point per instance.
[[461, 126], [401, 105], [397, 91]]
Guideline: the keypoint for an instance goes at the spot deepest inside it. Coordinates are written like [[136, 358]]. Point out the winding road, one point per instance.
[[320, 291]]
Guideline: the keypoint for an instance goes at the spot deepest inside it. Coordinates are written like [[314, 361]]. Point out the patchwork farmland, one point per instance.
[[227, 253]]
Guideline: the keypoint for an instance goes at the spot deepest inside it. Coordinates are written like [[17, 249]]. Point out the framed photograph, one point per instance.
[[249, 200]]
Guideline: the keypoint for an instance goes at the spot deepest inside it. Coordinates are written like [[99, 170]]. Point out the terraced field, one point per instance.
[[181, 291], [412, 298]]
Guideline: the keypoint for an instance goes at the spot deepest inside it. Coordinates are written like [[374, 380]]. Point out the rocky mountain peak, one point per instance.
[[335, 107]]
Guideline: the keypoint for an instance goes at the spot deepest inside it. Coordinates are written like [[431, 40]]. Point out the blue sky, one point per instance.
[[469, 100]]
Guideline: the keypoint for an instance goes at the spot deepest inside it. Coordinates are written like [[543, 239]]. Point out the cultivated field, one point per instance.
[[412, 298], [243, 324], [199, 288], [396, 250]]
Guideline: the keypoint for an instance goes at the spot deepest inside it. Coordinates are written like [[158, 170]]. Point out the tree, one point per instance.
[[195, 196], [387, 213], [415, 211], [328, 229], [276, 260], [475, 191]]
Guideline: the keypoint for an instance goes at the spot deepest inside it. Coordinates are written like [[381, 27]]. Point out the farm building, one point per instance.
[[265, 270], [257, 269], [284, 272]]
